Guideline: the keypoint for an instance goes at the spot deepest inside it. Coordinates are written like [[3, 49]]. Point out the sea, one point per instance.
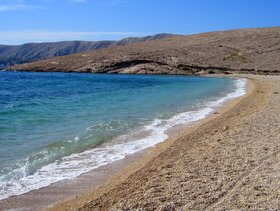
[[57, 126]]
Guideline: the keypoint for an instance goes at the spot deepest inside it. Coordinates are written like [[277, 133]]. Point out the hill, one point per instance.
[[18, 54], [246, 50]]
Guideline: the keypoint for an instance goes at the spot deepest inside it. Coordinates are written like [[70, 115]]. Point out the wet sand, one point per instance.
[[230, 160]]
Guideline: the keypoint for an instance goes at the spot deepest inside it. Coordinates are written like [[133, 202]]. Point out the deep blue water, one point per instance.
[[53, 121]]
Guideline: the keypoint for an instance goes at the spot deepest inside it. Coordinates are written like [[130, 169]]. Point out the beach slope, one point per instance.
[[230, 160]]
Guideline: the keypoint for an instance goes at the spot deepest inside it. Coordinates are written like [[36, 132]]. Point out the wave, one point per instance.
[[30, 176]]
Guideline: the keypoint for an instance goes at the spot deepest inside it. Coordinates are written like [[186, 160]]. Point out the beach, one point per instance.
[[230, 160], [104, 108]]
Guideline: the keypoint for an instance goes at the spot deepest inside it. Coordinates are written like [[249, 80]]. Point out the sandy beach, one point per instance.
[[228, 161]]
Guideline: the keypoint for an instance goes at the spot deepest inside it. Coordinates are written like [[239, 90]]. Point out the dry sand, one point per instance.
[[230, 160]]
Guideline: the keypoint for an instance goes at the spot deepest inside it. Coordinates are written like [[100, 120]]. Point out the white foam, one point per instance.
[[74, 165]]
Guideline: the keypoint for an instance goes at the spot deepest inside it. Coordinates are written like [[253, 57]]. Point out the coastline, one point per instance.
[[151, 130], [123, 170], [46, 197], [142, 158], [167, 178]]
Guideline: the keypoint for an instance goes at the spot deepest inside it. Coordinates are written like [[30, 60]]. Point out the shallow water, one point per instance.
[[56, 126]]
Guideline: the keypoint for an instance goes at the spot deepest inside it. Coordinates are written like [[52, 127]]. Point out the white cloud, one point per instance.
[[19, 37], [9, 7]]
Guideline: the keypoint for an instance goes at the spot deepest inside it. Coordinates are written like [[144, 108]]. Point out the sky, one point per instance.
[[23, 21]]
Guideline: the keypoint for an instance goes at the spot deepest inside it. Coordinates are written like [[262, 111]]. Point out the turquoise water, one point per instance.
[[56, 126]]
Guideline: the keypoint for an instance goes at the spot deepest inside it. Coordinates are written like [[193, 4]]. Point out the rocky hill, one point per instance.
[[247, 50], [18, 54]]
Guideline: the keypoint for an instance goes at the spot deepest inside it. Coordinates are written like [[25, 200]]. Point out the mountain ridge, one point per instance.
[[29, 52]]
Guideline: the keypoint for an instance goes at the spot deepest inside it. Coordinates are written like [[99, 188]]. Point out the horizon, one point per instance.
[[36, 21]]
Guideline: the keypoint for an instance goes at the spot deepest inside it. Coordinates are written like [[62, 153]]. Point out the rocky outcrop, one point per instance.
[[254, 51]]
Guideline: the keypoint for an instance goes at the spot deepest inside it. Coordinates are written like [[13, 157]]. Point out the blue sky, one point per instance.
[[24, 21]]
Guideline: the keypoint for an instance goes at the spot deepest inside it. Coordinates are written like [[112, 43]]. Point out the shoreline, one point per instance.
[[143, 137], [100, 176], [140, 185], [140, 159]]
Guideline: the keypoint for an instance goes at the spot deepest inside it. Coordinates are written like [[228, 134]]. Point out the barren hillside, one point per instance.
[[30, 52], [246, 50]]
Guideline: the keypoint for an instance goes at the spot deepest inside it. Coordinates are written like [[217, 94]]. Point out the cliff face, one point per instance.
[[18, 54], [246, 50]]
